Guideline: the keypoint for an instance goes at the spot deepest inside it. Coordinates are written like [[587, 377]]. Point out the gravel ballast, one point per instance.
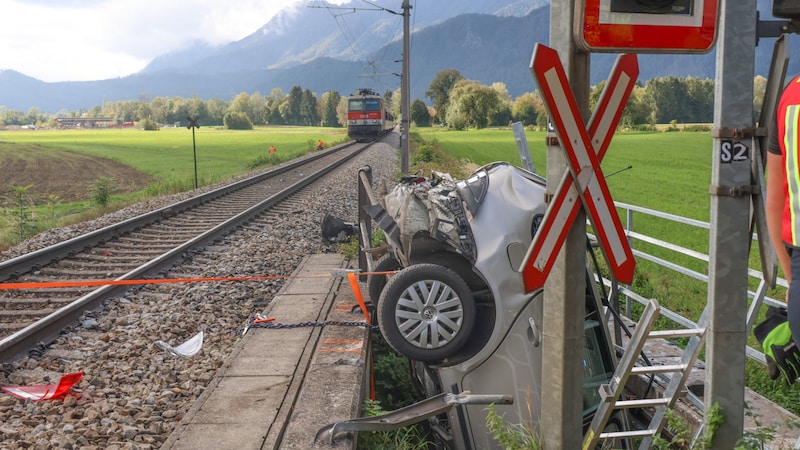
[[133, 393]]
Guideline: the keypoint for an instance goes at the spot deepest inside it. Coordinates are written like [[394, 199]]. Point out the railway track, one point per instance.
[[139, 248]]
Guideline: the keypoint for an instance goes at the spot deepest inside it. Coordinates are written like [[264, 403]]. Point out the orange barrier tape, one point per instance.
[[85, 283], [357, 291], [60, 284]]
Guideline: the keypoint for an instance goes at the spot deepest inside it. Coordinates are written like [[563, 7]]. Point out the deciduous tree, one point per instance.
[[470, 105], [439, 90], [330, 101], [419, 114], [524, 108]]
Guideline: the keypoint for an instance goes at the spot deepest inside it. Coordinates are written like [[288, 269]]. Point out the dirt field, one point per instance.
[[66, 174]]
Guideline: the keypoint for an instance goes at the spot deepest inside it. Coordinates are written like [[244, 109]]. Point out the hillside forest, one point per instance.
[[454, 101]]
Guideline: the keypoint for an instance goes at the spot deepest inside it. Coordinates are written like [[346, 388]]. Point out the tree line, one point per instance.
[[456, 102], [298, 107], [462, 103]]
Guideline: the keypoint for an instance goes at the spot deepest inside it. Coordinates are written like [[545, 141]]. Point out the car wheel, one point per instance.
[[426, 312], [375, 283]]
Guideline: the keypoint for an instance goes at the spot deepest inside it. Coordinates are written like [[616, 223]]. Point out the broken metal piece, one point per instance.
[[409, 415], [341, 273]]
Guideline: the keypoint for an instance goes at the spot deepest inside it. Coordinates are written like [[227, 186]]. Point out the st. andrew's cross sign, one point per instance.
[[585, 149]]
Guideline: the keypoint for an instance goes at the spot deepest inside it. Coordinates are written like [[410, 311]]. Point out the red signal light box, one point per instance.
[[646, 26]]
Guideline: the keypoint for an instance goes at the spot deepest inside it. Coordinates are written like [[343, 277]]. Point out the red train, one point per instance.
[[367, 116]]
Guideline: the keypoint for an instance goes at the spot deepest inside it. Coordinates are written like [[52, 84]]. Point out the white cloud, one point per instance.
[[73, 40]]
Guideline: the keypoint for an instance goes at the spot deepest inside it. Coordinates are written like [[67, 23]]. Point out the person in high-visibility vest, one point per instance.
[[783, 221], [320, 145]]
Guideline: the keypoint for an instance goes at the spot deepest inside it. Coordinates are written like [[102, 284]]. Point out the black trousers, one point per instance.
[[794, 295]]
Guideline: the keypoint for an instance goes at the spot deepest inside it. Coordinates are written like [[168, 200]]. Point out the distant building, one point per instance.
[[85, 122]]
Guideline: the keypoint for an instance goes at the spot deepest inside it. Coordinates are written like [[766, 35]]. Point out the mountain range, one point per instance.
[[324, 48]]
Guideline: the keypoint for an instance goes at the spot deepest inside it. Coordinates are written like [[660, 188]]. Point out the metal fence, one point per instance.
[[758, 297]]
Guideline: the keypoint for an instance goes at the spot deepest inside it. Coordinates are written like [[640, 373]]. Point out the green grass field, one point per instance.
[[168, 154], [671, 171], [56, 165]]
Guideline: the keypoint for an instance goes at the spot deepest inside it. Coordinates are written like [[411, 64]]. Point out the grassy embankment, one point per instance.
[[670, 172], [166, 157]]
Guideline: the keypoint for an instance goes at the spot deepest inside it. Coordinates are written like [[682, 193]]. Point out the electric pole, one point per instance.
[[405, 78], [405, 91]]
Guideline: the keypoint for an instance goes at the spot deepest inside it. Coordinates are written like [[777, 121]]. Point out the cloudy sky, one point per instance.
[[71, 40]]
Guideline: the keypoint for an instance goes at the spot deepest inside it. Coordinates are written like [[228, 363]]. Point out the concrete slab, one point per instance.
[[249, 401], [336, 380], [280, 385], [328, 396], [282, 365], [309, 286], [198, 436], [295, 308]]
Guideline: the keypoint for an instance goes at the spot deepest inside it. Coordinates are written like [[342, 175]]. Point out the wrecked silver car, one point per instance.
[[456, 305]]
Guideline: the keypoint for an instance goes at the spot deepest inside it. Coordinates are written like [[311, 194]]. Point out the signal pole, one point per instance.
[[405, 91]]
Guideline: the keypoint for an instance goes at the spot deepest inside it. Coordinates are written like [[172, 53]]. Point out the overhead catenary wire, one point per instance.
[[373, 67]]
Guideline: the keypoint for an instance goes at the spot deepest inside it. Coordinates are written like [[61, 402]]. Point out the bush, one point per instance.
[[21, 211], [697, 128], [407, 438], [261, 161], [673, 125], [149, 125], [515, 436], [237, 120], [425, 153], [101, 191]]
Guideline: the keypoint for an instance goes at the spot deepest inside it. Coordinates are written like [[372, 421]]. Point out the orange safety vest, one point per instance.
[[788, 119]]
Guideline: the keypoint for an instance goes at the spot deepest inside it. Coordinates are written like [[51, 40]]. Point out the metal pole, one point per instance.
[[194, 149], [364, 220], [193, 124], [564, 290], [405, 93], [730, 217]]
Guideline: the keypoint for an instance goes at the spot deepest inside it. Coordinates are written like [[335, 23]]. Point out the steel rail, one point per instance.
[[14, 267], [47, 329]]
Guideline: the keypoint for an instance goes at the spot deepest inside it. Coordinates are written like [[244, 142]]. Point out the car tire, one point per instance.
[[376, 283], [426, 312]]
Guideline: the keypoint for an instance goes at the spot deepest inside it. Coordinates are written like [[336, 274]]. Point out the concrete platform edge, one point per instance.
[[318, 378]]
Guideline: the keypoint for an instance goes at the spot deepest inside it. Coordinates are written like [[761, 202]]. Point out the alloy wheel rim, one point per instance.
[[429, 314]]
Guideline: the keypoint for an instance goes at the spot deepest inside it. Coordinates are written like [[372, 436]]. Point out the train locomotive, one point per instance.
[[367, 116]]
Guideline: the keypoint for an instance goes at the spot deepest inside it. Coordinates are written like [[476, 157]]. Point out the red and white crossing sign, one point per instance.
[[585, 181]]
